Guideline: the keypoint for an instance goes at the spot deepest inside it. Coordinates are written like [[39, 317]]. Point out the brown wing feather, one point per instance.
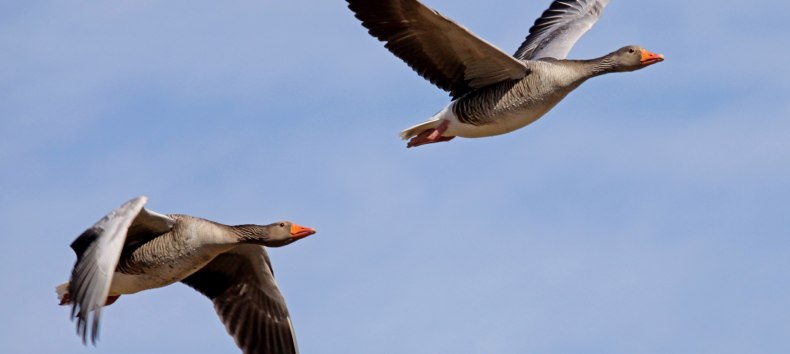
[[241, 285], [440, 50]]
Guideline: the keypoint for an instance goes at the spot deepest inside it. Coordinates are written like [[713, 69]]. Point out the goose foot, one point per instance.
[[111, 300], [65, 300], [430, 136]]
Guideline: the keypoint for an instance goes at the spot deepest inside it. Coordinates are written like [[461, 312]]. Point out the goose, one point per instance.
[[492, 92], [132, 249]]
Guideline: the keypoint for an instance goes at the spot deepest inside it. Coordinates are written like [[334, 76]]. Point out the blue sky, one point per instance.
[[647, 213]]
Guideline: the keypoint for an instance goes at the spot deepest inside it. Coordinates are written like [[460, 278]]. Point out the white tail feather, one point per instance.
[[419, 128], [445, 114]]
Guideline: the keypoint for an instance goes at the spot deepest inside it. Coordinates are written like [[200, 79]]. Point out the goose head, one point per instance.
[[630, 58], [273, 235]]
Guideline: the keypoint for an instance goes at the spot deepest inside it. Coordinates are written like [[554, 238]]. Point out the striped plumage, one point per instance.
[[542, 87], [133, 249], [493, 93]]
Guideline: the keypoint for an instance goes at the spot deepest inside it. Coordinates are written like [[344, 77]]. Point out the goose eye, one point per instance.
[[282, 224], [631, 51]]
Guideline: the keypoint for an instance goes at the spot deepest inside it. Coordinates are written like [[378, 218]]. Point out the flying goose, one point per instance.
[[492, 93], [133, 249]]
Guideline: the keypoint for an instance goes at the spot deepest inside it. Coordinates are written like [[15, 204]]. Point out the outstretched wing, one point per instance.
[[98, 250], [440, 50], [559, 28], [241, 285]]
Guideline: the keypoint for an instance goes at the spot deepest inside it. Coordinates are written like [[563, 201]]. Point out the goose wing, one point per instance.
[[440, 50], [241, 285], [98, 250], [557, 30]]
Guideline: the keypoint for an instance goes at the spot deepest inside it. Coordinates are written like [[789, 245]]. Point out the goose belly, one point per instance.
[[155, 276], [498, 124], [504, 108]]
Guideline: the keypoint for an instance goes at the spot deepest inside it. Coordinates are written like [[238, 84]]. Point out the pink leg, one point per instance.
[[65, 300], [431, 136]]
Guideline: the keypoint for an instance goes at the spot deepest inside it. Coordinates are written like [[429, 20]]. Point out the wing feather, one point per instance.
[[98, 251], [437, 48], [559, 28], [241, 285]]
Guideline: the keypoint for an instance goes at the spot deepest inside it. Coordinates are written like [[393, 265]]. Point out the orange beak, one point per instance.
[[650, 58], [301, 231]]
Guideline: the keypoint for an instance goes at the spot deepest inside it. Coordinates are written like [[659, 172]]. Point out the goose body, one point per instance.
[[132, 249], [171, 257], [493, 93], [504, 107]]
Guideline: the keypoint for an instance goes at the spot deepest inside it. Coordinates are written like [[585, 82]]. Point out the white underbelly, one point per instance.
[[500, 124]]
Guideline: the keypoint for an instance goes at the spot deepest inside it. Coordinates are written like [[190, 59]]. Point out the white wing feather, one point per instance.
[[559, 28]]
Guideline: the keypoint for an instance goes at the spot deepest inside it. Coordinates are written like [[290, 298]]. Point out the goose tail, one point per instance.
[[419, 128], [445, 114]]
